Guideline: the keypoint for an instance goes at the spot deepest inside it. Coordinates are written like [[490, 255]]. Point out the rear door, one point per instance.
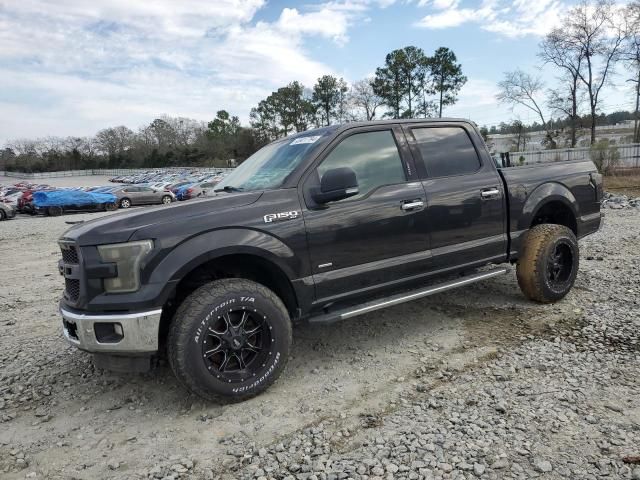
[[377, 238], [465, 196], [147, 195]]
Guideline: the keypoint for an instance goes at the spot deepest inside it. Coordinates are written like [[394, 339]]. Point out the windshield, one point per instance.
[[269, 167]]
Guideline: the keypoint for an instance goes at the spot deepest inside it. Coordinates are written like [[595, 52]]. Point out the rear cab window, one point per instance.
[[445, 151]]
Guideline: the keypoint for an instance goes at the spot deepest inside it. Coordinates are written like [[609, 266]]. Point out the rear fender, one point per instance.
[[542, 195]]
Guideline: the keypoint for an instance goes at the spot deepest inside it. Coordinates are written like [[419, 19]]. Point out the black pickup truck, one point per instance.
[[319, 226]]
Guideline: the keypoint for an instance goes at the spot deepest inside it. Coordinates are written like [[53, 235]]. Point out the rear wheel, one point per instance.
[[54, 211], [2, 215], [166, 199], [125, 203], [548, 263], [229, 340]]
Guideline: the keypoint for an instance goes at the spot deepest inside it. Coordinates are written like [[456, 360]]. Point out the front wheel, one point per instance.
[[229, 340], [548, 263], [166, 200]]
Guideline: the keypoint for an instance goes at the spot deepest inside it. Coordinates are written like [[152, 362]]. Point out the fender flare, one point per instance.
[[541, 196], [197, 250]]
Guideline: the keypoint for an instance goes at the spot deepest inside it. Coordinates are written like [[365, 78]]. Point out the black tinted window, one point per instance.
[[372, 155], [446, 151]]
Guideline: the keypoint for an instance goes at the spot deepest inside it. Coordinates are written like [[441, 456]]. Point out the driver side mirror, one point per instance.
[[336, 184]]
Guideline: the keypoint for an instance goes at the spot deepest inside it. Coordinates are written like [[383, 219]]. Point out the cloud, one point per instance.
[[326, 22], [75, 66], [511, 19]]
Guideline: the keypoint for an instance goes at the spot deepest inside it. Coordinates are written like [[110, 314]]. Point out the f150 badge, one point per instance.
[[278, 217]]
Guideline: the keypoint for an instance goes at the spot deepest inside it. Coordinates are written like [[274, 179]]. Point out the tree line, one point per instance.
[[593, 40], [560, 123], [165, 142], [409, 84]]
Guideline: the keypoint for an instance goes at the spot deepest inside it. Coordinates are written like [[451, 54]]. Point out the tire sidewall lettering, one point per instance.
[[203, 324], [263, 374], [263, 377]]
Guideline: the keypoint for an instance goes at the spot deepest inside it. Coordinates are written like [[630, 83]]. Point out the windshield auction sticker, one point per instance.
[[309, 139]]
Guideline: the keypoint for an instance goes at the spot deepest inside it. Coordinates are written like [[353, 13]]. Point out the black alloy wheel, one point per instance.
[[237, 344], [560, 264]]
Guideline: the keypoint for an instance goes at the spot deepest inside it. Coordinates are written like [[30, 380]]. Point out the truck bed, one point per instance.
[[575, 185]]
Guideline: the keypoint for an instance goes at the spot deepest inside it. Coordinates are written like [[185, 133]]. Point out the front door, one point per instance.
[[466, 198], [377, 238]]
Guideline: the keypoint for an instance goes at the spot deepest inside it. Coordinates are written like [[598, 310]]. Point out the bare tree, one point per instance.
[[631, 58], [520, 88], [596, 32], [362, 97], [561, 101], [556, 50]]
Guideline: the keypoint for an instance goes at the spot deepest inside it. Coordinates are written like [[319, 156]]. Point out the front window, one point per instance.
[[271, 165]]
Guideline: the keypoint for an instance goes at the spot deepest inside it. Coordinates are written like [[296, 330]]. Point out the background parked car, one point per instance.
[[198, 190], [7, 211], [138, 195]]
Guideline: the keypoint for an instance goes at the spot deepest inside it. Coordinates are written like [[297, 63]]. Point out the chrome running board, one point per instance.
[[363, 308]]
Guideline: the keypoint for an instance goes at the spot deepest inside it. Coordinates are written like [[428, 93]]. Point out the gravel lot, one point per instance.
[[474, 383]]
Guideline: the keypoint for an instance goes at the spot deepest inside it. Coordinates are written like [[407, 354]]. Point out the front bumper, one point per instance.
[[130, 333]]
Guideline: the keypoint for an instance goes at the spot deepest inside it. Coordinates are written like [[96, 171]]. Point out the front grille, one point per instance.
[[71, 289], [69, 254]]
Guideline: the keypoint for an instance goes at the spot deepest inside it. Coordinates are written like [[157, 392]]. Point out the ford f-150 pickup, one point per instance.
[[320, 226]]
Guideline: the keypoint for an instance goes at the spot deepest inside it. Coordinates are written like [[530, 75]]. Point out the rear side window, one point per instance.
[[372, 155], [446, 151]]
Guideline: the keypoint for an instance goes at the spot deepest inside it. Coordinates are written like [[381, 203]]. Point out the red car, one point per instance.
[[25, 203]]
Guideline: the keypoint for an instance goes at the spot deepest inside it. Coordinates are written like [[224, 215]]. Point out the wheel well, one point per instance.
[[558, 213], [250, 267]]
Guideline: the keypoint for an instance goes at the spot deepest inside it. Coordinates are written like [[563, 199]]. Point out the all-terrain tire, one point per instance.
[[194, 333], [540, 277]]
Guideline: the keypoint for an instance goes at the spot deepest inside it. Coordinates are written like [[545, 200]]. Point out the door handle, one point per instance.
[[413, 204], [489, 192]]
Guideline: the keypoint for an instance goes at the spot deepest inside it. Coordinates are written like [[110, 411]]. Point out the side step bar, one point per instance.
[[361, 309]]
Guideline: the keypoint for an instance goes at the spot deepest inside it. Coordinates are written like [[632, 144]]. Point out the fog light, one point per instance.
[[108, 332]]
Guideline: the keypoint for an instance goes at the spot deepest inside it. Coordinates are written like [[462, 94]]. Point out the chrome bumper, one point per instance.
[[113, 333]]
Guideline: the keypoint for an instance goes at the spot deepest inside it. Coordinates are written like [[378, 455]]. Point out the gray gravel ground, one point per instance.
[[473, 383]]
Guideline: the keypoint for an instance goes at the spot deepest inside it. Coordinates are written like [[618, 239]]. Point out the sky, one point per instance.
[[73, 67]]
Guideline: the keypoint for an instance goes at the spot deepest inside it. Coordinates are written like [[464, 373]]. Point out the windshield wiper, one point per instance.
[[228, 188]]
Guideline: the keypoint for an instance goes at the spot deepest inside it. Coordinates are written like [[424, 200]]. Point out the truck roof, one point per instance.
[[344, 126]]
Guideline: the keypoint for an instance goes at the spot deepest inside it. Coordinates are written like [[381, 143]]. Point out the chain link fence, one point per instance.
[[610, 159]]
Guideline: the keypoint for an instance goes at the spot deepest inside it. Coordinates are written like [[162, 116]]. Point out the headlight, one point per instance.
[[127, 257]]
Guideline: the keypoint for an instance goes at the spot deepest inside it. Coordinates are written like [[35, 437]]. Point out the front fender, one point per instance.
[[542, 195], [202, 248]]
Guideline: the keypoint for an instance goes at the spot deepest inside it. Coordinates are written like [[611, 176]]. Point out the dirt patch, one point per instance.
[[623, 184]]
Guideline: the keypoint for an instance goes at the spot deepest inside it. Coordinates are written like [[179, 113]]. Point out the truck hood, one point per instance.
[[120, 227]]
